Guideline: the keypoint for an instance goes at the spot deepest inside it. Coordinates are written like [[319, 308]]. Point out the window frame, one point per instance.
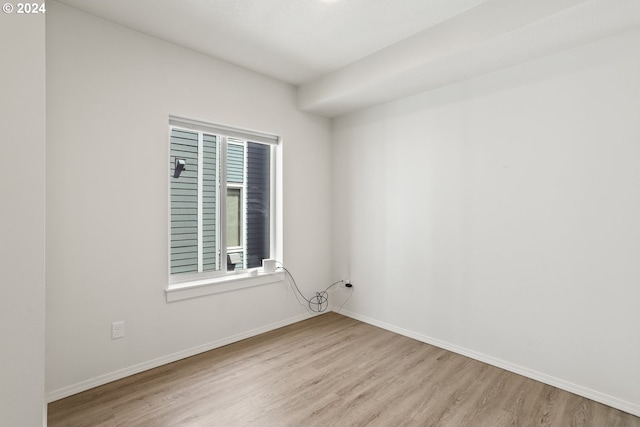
[[184, 281]]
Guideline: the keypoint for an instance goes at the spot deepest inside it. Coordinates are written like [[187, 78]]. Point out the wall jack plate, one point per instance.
[[117, 330]]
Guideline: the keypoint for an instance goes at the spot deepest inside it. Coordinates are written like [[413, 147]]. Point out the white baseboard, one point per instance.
[[605, 399], [140, 367]]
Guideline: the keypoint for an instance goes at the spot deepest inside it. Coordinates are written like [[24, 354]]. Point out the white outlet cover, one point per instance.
[[117, 330]]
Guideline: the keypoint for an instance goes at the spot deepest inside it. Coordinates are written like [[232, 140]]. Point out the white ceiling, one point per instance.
[[295, 41], [349, 54]]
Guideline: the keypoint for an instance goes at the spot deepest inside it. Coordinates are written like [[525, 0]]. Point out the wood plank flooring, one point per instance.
[[330, 371]]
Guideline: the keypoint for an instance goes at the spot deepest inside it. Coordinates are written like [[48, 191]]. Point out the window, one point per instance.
[[234, 218], [221, 204]]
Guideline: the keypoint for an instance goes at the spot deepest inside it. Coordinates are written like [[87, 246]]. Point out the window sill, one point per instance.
[[217, 285]]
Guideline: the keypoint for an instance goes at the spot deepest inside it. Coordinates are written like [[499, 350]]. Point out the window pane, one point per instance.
[[184, 202], [234, 217], [258, 246], [194, 240], [235, 162]]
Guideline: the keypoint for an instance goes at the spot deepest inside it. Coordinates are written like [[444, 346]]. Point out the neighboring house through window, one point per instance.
[[221, 199]]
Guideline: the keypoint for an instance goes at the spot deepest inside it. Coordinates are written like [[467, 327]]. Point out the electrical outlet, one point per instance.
[[117, 330]]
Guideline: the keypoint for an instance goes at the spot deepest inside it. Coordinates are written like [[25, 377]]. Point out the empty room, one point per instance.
[[430, 215]]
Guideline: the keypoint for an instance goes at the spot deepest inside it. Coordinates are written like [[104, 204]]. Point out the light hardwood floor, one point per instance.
[[330, 371]]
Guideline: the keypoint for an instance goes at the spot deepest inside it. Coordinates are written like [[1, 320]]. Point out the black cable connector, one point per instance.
[[348, 285]]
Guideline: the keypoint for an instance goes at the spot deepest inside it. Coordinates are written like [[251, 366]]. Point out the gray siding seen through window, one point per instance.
[[209, 203], [235, 163], [184, 203]]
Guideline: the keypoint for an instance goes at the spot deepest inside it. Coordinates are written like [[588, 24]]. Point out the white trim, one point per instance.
[[245, 205], [154, 363], [232, 131], [614, 402], [217, 285], [276, 189], [184, 278]]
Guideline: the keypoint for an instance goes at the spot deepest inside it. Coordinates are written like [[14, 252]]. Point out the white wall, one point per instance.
[[499, 217], [22, 234], [110, 92]]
